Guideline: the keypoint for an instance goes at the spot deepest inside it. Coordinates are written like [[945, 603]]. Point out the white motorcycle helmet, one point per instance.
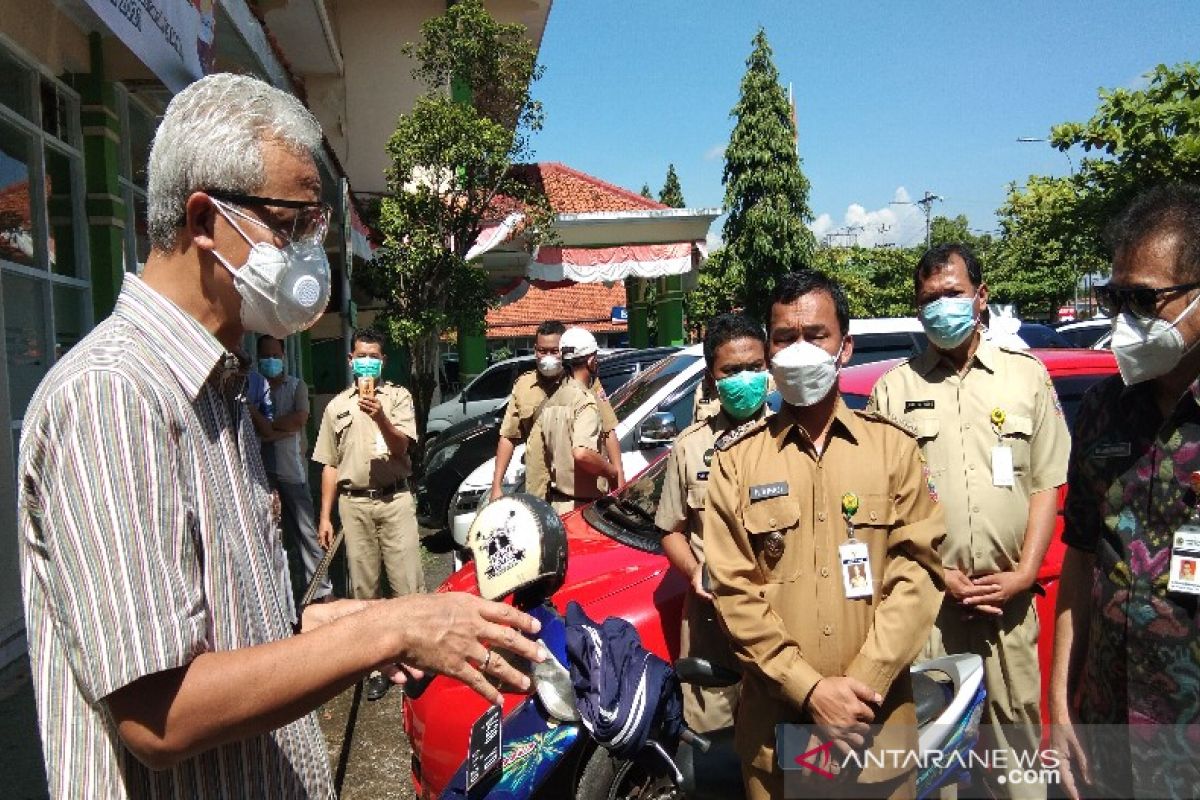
[[518, 544]]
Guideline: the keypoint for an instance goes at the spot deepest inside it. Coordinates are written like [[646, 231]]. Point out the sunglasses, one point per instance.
[[309, 226], [1141, 300]]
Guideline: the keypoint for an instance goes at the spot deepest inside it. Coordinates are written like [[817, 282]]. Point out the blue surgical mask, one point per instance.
[[743, 393], [270, 367], [948, 321], [366, 367]]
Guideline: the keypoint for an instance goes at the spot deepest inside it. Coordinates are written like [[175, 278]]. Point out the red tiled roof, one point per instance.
[[588, 305], [573, 192]]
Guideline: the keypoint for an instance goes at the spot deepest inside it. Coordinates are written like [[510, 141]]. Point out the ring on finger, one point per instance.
[[486, 660]]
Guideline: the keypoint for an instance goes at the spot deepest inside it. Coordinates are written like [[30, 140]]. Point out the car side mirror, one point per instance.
[[657, 430]]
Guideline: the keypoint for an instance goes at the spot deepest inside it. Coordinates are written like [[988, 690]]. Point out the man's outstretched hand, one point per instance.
[[453, 633]]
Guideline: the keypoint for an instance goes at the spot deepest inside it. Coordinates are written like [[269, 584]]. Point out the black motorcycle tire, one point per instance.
[[604, 777]]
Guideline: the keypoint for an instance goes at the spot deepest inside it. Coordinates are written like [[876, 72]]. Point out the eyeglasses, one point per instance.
[[1141, 300], [309, 226]]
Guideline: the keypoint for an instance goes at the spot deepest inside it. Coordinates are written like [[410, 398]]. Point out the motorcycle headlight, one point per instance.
[[441, 457]]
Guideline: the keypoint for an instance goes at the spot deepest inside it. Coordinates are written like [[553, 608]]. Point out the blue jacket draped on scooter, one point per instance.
[[625, 693]]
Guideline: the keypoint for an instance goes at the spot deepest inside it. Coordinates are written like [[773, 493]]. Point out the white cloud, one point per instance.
[[713, 241], [898, 223], [714, 152]]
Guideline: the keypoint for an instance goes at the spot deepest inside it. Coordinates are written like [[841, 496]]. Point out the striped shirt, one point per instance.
[[146, 540]]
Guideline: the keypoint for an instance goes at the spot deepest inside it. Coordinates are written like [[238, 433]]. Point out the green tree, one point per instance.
[[766, 233], [450, 175], [878, 281], [672, 193], [1052, 228], [646, 193], [943, 230]]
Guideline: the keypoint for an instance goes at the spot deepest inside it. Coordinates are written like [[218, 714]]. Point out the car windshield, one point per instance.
[[628, 516], [632, 395]]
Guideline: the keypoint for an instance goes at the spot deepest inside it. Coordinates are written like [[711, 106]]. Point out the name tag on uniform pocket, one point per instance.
[[1002, 466], [1185, 561], [856, 569]]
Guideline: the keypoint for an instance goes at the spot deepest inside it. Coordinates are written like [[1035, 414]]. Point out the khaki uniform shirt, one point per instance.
[[785, 607], [570, 418], [681, 503], [528, 394], [952, 418], [352, 442]]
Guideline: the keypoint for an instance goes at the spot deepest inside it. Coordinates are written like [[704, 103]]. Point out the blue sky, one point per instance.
[[892, 97]]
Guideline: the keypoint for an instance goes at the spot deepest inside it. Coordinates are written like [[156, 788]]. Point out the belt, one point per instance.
[[378, 494], [555, 494]]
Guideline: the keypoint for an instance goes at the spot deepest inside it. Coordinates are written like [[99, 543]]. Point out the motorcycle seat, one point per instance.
[[931, 696]]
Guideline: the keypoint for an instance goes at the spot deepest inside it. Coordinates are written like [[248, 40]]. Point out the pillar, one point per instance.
[[472, 350], [638, 326], [669, 311], [106, 212]]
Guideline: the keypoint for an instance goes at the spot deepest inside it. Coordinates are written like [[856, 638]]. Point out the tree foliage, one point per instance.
[[646, 193], [1052, 228], [877, 280], [672, 193], [766, 195], [449, 177]]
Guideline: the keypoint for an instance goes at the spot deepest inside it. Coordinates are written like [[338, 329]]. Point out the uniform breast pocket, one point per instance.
[[1017, 432], [341, 427], [774, 529], [696, 494]]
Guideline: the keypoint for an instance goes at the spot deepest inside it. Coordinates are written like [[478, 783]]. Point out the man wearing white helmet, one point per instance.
[[569, 427]]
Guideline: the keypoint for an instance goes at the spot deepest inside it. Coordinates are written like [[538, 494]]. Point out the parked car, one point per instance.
[[485, 393], [615, 568], [1036, 334], [1089, 333], [651, 409], [463, 446]]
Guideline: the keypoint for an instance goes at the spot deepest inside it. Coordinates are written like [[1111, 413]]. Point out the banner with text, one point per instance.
[[174, 38]]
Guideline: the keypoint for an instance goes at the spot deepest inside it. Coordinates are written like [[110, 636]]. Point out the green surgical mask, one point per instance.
[[366, 367], [743, 394]]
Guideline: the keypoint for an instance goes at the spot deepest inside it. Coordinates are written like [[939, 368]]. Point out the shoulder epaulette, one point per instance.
[[1016, 351], [875, 416], [743, 431]]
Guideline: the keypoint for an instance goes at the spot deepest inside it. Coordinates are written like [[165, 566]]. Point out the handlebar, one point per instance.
[[696, 740]]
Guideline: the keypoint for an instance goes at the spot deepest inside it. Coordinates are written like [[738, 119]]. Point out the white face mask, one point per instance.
[[804, 373], [1148, 348], [549, 366], [284, 291]]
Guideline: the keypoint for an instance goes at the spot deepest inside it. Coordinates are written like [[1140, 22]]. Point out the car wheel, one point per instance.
[[609, 778]]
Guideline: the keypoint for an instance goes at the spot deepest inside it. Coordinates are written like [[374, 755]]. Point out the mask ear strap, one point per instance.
[[225, 212]]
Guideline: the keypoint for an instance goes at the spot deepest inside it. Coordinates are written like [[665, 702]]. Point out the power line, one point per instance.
[[926, 204]]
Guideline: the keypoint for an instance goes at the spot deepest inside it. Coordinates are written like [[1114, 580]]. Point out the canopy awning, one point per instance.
[[611, 264]]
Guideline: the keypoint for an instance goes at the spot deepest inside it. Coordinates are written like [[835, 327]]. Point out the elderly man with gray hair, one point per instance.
[[161, 635]]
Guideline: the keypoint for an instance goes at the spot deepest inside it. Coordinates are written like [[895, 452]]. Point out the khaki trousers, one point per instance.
[[1008, 646], [701, 636], [382, 533]]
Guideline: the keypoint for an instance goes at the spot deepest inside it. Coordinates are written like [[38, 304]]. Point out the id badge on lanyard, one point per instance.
[[854, 555]]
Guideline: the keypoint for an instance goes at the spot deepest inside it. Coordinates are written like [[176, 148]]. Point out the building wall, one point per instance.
[[45, 34], [378, 80]]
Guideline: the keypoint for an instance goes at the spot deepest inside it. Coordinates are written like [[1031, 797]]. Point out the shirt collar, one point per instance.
[[845, 424], [930, 357], [195, 354]]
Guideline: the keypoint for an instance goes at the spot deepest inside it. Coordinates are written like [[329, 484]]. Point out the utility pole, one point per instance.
[[926, 204]]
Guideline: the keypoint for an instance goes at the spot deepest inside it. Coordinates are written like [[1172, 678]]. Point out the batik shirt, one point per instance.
[[1129, 490]]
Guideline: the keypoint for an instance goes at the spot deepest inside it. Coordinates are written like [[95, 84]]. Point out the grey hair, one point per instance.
[[211, 138]]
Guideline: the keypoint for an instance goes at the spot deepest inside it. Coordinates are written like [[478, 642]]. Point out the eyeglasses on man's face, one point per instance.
[[1143, 301], [308, 226]]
